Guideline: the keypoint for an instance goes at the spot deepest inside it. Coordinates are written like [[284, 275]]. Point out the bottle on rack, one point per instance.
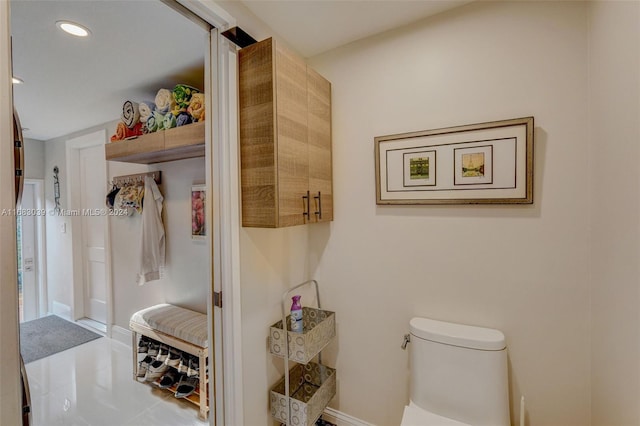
[[296, 314]]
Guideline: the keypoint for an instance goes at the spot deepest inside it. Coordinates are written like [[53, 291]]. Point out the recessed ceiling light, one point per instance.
[[73, 28], [16, 80]]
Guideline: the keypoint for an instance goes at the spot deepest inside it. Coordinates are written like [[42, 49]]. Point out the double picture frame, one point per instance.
[[484, 163]]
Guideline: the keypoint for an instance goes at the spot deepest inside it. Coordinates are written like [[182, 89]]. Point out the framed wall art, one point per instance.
[[485, 163], [198, 204]]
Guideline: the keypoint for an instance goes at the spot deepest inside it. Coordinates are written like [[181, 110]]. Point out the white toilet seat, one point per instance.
[[417, 416]]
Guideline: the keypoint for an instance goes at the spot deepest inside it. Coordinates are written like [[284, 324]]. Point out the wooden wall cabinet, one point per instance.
[[285, 139]]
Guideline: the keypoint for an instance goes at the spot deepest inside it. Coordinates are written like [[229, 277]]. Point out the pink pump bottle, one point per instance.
[[296, 314]]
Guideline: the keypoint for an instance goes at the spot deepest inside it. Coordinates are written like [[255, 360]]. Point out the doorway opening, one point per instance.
[[181, 177]]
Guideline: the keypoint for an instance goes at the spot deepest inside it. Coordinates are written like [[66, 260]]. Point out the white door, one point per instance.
[[91, 185], [29, 255]]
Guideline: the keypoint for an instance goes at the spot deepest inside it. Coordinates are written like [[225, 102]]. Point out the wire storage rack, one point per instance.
[[304, 392]]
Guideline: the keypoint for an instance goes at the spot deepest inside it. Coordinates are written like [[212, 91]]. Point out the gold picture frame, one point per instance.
[[198, 212], [484, 163]]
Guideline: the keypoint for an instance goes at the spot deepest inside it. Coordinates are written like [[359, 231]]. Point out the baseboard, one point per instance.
[[342, 419], [121, 335], [62, 310], [93, 325]]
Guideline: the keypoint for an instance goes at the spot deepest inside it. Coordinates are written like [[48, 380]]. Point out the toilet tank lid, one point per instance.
[[466, 336]]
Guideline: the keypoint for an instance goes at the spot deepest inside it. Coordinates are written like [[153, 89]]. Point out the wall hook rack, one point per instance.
[[56, 188], [138, 178]]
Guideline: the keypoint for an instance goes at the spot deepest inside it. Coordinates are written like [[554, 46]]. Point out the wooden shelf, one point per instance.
[[165, 145]]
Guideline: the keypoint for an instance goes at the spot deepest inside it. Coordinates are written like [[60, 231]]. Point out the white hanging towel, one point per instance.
[[153, 247]]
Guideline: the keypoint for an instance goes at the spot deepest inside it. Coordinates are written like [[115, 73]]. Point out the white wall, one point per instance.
[[560, 278], [186, 281], [34, 159], [614, 132], [521, 269], [272, 260], [58, 244]]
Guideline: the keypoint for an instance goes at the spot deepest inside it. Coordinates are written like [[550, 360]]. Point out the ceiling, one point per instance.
[[315, 26], [70, 83], [137, 47]]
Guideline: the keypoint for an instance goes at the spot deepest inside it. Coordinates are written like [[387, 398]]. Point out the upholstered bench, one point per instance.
[[179, 328]]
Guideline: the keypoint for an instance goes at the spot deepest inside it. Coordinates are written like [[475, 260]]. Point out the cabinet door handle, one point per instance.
[[305, 206], [319, 212]]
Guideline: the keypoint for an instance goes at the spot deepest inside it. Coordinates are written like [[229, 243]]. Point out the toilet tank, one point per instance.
[[459, 371]]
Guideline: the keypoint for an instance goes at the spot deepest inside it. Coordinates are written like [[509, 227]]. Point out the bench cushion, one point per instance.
[[182, 323]]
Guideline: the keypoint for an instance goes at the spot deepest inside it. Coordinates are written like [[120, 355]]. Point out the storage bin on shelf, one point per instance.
[[318, 328], [311, 387]]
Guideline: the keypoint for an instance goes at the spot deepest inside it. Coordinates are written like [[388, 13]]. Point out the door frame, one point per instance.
[[43, 292], [10, 395], [73, 147], [222, 171]]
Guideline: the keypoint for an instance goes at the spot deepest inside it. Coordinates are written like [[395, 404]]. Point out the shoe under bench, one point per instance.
[[182, 329]]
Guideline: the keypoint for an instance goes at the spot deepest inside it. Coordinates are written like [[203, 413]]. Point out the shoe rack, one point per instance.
[[200, 397]]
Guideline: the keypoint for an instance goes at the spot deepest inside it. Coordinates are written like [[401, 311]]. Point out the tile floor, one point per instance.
[[91, 384]]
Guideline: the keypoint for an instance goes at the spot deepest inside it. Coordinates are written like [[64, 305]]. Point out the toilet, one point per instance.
[[458, 375]]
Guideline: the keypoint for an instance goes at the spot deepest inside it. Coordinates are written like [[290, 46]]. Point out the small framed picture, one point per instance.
[[473, 166], [198, 209], [419, 168]]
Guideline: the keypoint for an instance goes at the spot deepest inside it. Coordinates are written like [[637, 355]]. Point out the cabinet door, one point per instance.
[[257, 135], [319, 138], [291, 137]]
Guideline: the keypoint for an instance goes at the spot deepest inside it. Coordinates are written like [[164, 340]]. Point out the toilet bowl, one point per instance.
[[416, 416]]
